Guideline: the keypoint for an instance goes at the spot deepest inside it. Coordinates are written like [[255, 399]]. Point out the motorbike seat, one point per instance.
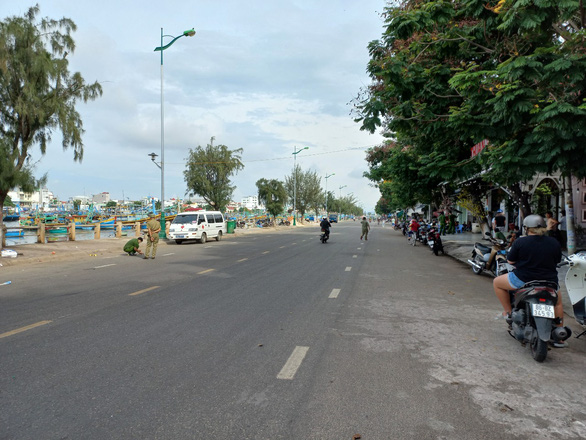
[[482, 248]]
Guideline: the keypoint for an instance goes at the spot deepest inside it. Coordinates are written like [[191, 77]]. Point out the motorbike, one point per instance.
[[324, 236], [422, 233], [576, 285], [434, 241], [532, 318], [491, 259]]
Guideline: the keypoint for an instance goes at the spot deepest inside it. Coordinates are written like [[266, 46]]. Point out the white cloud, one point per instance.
[[262, 76]]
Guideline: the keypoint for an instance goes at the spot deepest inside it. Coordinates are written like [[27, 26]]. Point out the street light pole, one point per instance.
[[161, 48], [327, 177], [295, 152]]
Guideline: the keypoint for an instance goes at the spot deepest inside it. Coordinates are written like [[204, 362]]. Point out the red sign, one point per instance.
[[476, 149]]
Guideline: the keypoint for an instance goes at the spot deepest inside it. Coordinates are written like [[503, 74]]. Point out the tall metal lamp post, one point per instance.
[[340, 188], [327, 177], [161, 48], [295, 152]]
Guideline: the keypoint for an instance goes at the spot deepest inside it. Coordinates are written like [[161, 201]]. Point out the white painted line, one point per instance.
[[348, 268], [143, 291], [358, 248], [242, 259], [335, 293], [166, 255], [105, 265], [354, 256], [208, 247], [281, 247], [205, 271], [266, 252], [293, 363], [23, 329]]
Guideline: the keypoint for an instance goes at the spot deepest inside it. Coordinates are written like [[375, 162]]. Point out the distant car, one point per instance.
[[333, 219]]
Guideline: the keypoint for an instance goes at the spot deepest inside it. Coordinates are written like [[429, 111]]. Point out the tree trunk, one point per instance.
[[522, 199], [570, 230], [2, 229]]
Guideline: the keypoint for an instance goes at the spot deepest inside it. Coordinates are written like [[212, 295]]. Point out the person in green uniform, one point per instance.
[[452, 224], [132, 245], [153, 228], [442, 223], [365, 228]]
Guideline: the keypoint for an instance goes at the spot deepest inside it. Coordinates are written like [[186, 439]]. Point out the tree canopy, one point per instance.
[[307, 187], [447, 75], [38, 95], [273, 195], [208, 171]]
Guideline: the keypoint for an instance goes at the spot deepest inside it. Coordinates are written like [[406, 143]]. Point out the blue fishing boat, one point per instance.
[[15, 233], [11, 218]]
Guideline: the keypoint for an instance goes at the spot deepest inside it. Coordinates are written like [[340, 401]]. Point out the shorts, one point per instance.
[[514, 281]]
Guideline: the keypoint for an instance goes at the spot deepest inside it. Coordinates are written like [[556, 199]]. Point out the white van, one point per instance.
[[197, 225]]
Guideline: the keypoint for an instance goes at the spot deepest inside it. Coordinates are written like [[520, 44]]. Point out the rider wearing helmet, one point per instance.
[[535, 257], [325, 226]]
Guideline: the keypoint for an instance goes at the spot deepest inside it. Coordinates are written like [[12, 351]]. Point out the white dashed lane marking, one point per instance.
[[293, 363], [334, 293], [349, 268]]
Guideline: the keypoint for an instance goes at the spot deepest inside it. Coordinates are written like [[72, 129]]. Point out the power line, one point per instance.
[[281, 158]]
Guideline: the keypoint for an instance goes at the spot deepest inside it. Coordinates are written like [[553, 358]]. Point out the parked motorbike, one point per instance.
[[422, 233], [491, 259], [434, 241], [532, 319], [576, 285]]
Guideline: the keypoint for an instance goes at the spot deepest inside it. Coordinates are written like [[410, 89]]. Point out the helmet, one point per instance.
[[534, 221]]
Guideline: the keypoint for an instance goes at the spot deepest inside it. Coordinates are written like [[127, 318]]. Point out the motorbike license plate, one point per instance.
[[430, 242], [543, 310]]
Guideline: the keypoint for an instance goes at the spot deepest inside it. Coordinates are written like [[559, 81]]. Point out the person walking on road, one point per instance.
[[131, 246], [153, 227], [365, 228]]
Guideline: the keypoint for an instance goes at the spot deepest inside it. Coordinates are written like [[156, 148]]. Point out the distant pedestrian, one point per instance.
[[365, 228], [452, 224], [153, 228], [552, 225], [131, 246], [442, 223]]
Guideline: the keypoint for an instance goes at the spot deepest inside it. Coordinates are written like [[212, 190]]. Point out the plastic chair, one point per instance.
[[459, 229]]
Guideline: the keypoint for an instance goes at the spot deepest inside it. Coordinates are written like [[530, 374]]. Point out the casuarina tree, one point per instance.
[[38, 95]]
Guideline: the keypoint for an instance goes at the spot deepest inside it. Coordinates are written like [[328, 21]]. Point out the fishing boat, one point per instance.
[[56, 230], [11, 218], [15, 233], [57, 237]]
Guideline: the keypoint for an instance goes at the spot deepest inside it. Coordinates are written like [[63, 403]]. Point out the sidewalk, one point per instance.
[[459, 247]]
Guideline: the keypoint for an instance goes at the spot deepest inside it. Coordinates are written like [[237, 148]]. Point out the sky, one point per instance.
[[267, 76]]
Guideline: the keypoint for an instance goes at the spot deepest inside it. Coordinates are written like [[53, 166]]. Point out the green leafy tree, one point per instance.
[[447, 75], [38, 96], [77, 204], [208, 172], [273, 195], [308, 190], [111, 204]]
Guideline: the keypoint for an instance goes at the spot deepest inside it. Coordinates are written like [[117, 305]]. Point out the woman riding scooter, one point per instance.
[[535, 257]]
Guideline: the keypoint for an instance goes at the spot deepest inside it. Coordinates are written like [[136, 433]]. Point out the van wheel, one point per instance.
[[219, 237], [178, 241], [203, 238]]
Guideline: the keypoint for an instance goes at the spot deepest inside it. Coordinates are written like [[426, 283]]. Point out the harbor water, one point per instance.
[[30, 235]]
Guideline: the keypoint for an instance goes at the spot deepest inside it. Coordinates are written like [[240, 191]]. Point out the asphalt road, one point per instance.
[[275, 336]]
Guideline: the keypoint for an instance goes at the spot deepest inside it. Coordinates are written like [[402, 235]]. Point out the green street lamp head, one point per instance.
[[188, 33], [300, 150]]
